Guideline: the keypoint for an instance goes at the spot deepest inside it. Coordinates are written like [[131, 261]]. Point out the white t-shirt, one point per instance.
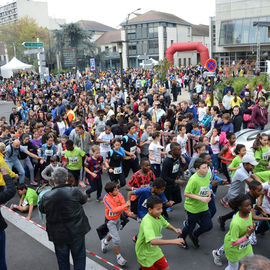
[[201, 113], [266, 200], [156, 148], [215, 147], [105, 147], [62, 127], [182, 142]]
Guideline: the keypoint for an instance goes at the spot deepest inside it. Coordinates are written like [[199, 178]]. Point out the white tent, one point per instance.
[[13, 65]]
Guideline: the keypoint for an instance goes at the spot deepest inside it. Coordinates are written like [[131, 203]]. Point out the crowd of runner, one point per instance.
[[76, 127]]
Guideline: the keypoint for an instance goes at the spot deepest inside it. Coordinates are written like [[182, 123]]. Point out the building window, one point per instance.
[[185, 61], [152, 30], [189, 32], [153, 46], [114, 48], [106, 48], [171, 42], [131, 32], [132, 48], [179, 62], [189, 61]]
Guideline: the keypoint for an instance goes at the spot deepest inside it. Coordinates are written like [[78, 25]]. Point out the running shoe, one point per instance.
[[33, 183], [217, 258], [13, 206], [121, 261], [104, 247], [224, 203], [194, 240], [82, 184]]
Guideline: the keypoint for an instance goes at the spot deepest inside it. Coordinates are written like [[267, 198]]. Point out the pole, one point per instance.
[[212, 90], [127, 52], [121, 71]]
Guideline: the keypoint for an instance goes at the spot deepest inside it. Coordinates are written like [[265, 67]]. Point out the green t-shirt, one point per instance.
[[150, 229], [262, 156], [74, 158], [238, 229], [235, 163], [31, 196], [199, 186], [264, 176]]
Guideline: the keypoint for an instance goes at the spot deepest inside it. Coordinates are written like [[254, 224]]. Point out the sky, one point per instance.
[[113, 12]]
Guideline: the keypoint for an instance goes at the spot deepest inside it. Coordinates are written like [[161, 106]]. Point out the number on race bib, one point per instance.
[[48, 153], [244, 245], [203, 191], [73, 159], [117, 170]]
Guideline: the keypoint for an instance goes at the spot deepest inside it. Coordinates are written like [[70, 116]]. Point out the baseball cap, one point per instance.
[[250, 159]]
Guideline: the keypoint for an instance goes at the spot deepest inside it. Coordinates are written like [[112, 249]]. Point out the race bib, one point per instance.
[[203, 192], [48, 153], [111, 214], [24, 203], [133, 149], [265, 156], [118, 137], [244, 245], [144, 204], [73, 159], [175, 168], [117, 170]]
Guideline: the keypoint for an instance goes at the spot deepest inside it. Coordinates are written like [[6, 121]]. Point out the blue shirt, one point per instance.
[[13, 155], [143, 194]]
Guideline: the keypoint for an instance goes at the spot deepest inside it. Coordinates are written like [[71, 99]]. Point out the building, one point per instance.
[[98, 29], [148, 35], [233, 36], [33, 9]]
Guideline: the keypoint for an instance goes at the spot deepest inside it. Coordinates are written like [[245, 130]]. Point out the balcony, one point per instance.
[[111, 55]]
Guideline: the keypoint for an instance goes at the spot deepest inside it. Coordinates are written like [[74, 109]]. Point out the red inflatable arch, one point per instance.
[[188, 46]]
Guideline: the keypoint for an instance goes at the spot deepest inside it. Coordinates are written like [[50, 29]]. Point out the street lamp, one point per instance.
[[127, 52], [121, 65]]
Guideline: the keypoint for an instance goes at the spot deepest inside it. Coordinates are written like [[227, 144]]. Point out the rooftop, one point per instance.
[[109, 37], [200, 30], [156, 16], [95, 26]]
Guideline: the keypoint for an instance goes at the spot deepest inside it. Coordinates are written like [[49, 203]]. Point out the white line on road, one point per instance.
[[40, 235]]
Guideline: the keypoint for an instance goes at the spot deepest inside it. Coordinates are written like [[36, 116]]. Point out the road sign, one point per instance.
[[33, 51], [33, 44], [211, 64], [210, 74], [92, 64]]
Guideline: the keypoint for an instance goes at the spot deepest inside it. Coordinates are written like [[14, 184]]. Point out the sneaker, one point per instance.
[[104, 247], [82, 184], [194, 240], [121, 261], [184, 246], [221, 223], [99, 200], [224, 203], [33, 183], [217, 258], [13, 206], [88, 194]]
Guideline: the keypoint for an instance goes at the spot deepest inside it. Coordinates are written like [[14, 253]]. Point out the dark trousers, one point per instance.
[[228, 216], [215, 161], [77, 249], [263, 226], [96, 185], [203, 219], [212, 206], [3, 265], [76, 174], [225, 171], [156, 169], [120, 177], [130, 164]]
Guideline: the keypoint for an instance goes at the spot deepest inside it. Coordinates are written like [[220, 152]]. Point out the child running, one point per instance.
[[149, 254]]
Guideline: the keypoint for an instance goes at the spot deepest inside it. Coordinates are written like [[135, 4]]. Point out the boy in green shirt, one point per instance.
[[198, 195], [28, 199], [149, 254], [74, 156]]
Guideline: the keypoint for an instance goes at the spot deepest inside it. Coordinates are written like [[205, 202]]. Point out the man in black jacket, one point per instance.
[[66, 221], [5, 196]]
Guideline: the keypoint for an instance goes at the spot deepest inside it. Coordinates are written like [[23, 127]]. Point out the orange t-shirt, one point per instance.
[[114, 206]]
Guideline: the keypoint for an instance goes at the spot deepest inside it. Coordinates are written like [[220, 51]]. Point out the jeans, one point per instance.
[[225, 170], [202, 218], [77, 249], [215, 161], [17, 164], [3, 265], [27, 162], [259, 127], [96, 185], [156, 169]]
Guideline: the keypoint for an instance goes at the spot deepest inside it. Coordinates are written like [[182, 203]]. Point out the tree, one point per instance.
[[163, 66], [74, 36], [23, 30]]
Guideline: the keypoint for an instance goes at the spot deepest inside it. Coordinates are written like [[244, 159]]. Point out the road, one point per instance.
[[28, 250]]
